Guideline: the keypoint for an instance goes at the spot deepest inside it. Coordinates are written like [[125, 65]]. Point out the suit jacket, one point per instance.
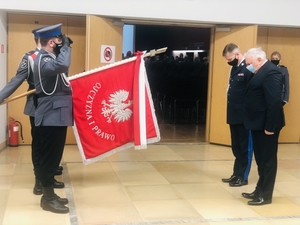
[[286, 83], [239, 76], [263, 100]]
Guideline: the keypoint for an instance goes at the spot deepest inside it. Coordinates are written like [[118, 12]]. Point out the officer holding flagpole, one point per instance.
[[25, 72], [54, 109]]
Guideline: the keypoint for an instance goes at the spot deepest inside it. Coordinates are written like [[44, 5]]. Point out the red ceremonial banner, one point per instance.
[[113, 109]]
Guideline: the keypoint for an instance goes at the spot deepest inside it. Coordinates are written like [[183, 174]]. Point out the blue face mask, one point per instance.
[[251, 68]]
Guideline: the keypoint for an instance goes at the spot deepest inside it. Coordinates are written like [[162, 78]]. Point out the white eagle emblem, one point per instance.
[[117, 107]]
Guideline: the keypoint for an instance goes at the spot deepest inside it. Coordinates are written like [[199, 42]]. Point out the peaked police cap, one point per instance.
[[49, 31]]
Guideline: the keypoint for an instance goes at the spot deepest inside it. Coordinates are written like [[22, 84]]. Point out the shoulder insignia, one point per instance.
[[46, 59], [23, 63]]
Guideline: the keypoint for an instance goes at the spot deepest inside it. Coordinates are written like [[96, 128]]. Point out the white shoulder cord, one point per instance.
[[39, 69], [65, 79], [30, 66]]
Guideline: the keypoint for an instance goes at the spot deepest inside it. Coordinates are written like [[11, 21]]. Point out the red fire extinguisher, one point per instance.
[[13, 132]]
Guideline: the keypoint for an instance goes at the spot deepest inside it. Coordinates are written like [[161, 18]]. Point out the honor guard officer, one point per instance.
[[25, 72], [241, 142], [54, 109]]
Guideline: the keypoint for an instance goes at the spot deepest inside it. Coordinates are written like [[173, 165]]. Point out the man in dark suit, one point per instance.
[[263, 114], [241, 142]]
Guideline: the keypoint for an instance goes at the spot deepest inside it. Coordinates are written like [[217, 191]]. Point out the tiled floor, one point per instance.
[[164, 184]]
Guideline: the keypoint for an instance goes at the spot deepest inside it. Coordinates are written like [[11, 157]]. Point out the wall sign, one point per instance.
[[107, 54]]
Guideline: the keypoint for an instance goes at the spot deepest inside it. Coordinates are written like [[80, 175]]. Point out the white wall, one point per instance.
[[261, 12], [3, 76]]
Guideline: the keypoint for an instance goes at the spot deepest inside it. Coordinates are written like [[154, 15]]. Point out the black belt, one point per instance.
[[58, 93]]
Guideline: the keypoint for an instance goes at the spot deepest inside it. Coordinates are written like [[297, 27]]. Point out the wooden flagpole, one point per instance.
[[18, 96], [151, 53]]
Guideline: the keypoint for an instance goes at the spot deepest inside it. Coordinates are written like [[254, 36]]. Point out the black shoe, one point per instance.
[[50, 202], [58, 184], [252, 195], [54, 206], [259, 201], [237, 183], [58, 172], [231, 179], [62, 201], [37, 189]]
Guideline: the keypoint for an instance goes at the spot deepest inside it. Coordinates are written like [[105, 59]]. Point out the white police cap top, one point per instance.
[[50, 31]]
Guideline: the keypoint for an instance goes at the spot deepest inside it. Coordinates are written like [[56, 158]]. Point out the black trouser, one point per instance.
[[265, 152], [35, 147], [241, 144], [53, 142]]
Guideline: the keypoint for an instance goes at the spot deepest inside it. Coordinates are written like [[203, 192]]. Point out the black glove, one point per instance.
[[66, 41]]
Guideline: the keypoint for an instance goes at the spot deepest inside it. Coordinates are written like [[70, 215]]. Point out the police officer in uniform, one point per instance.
[[275, 59], [54, 109], [25, 72], [241, 142]]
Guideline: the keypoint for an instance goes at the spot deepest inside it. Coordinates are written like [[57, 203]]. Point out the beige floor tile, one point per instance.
[[4, 194], [196, 152], [188, 166], [290, 189], [7, 169], [103, 193], [24, 169], [285, 176], [9, 155], [92, 175], [296, 200], [294, 172], [289, 221], [166, 210], [238, 222], [107, 212], [127, 155], [141, 178], [153, 192], [288, 164], [203, 191], [279, 207], [159, 152], [132, 167], [33, 215], [222, 208], [6, 182], [186, 177], [23, 198], [23, 181]]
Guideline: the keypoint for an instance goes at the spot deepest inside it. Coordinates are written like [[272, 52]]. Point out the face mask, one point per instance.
[[57, 48], [233, 62], [275, 61], [251, 68]]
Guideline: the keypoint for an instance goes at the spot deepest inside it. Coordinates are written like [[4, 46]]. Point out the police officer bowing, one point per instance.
[[54, 109]]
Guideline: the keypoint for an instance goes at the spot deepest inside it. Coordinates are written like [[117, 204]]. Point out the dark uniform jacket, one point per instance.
[[54, 103], [24, 72], [239, 76], [286, 83], [263, 100]]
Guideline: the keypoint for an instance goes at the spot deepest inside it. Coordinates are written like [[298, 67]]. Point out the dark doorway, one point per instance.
[[178, 78]]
